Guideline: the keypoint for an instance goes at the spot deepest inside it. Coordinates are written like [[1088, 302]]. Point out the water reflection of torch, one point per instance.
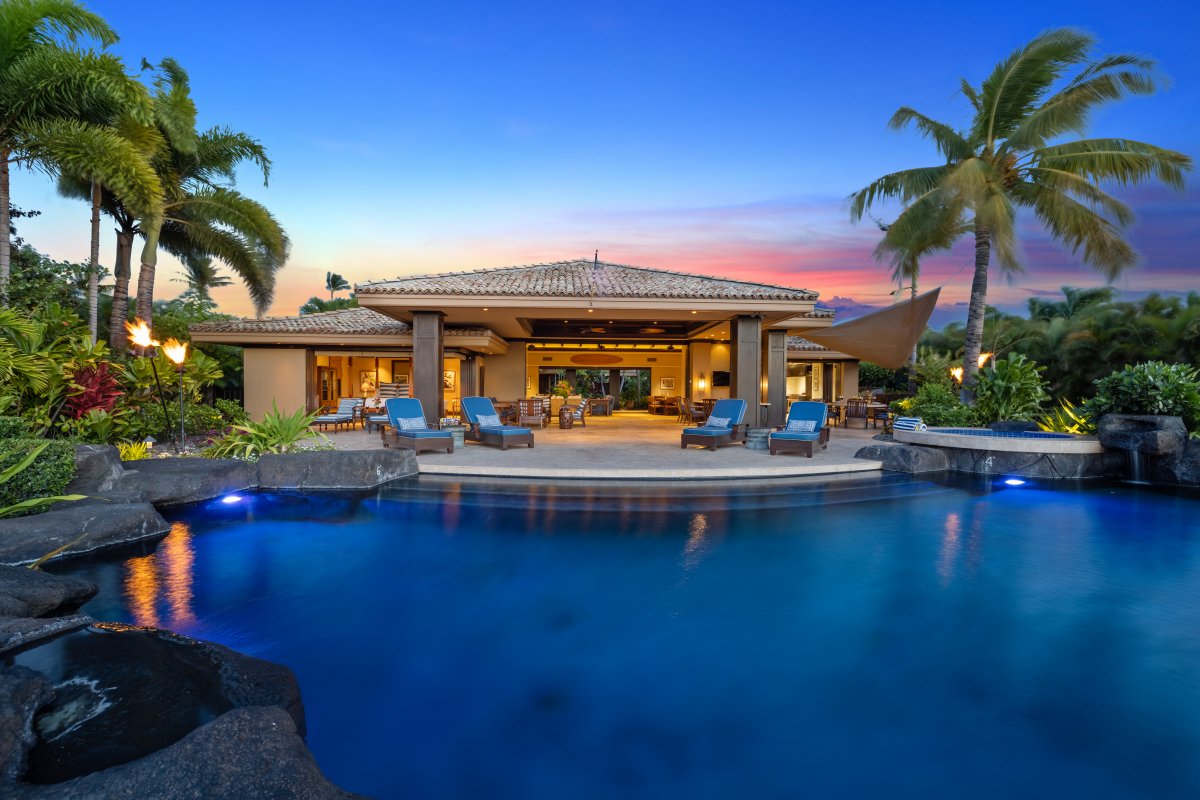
[[139, 337]]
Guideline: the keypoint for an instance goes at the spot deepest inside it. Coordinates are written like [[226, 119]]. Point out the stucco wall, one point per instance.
[[273, 376], [504, 376]]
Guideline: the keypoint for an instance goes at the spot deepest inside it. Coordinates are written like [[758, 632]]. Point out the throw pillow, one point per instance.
[[489, 420], [802, 425], [412, 423], [717, 422]]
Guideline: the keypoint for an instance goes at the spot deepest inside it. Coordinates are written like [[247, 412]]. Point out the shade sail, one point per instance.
[[885, 337]]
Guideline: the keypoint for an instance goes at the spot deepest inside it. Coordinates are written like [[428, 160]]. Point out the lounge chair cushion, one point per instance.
[[717, 422], [503, 430], [489, 420], [796, 436], [424, 433], [412, 423], [801, 425], [334, 418], [707, 430]]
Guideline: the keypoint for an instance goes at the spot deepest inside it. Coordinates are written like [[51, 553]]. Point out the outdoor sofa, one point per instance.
[[805, 425], [410, 431], [723, 426], [484, 425]]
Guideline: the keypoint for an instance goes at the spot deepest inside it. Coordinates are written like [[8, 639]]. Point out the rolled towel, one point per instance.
[[909, 424]]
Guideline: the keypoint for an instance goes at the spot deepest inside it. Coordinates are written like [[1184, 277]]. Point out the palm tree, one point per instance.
[[49, 94], [202, 277], [1005, 160], [316, 305], [335, 283]]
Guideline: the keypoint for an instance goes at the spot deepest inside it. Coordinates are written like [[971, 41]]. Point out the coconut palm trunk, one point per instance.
[[94, 264], [976, 312], [5, 222], [145, 288]]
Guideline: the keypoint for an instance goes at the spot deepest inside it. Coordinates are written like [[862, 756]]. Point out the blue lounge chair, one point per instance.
[[410, 431], [484, 425], [805, 424], [723, 426], [346, 411]]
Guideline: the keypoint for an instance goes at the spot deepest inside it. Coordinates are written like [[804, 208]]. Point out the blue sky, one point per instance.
[[713, 137]]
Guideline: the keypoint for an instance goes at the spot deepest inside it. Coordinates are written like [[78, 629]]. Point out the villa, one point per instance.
[[517, 331]]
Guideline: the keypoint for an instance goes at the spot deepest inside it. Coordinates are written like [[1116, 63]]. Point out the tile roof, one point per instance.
[[800, 343], [583, 278], [349, 321]]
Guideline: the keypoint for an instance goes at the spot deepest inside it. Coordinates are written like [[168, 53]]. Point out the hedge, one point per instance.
[[198, 420], [45, 477]]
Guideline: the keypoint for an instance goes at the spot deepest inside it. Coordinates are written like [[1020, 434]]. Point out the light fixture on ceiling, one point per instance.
[[695, 312], [590, 311], [485, 309]]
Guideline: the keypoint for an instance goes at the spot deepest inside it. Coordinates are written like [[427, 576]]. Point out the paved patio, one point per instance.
[[630, 445]]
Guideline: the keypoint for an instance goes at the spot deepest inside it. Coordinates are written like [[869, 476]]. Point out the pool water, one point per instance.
[[873, 637]]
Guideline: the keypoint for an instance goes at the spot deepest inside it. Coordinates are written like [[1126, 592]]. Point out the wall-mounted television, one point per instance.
[[720, 378]]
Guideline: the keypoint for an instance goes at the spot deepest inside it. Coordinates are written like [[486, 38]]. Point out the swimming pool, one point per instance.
[[827, 638]]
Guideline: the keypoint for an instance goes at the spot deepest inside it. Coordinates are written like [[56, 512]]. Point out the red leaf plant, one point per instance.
[[95, 388]]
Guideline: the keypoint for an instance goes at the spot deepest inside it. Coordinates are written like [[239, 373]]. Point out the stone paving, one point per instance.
[[630, 445]]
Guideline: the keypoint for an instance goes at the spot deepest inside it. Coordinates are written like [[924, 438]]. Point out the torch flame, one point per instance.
[[175, 350], [139, 334], [956, 373], [983, 357]]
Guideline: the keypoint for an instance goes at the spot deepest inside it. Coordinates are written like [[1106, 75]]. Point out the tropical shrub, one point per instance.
[[33, 474], [95, 387], [198, 420], [133, 451], [937, 404], [277, 433], [1066, 419], [1010, 388], [232, 412], [873, 376], [13, 427], [98, 426], [1149, 388], [933, 366]]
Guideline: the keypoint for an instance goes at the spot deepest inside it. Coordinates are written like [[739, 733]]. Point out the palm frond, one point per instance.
[[903, 186], [971, 94], [925, 226], [51, 82], [1068, 110], [94, 152], [1019, 82], [1122, 160], [174, 109], [1079, 226], [949, 142], [1081, 188], [26, 24], [221, 150]]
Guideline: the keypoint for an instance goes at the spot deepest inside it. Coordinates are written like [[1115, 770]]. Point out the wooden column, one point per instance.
[[775, 364], [827, 382], [427, 363], [469, 378], [745, 364], [614, 383]]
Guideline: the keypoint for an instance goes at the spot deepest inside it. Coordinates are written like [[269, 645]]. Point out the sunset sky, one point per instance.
[[720, 138]]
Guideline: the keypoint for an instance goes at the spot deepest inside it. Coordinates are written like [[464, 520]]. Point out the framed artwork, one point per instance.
[[400, 377], [527, 383], [366, 381], [448, 380], [666, 383]]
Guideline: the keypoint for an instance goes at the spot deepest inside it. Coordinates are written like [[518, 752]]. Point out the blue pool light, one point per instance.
[[229, 499], [1014, 482]]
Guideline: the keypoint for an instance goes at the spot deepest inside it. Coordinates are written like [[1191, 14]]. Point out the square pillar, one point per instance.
[[775, 364], [827, 382], [745, 364], [427, 363]]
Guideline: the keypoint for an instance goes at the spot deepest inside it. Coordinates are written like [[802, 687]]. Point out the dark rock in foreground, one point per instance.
[[97, 468], [22, 692], [101, 525], [1144, 433], [178, 481], [29, 593], [244, 754], [905, 458], [335, 469]]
